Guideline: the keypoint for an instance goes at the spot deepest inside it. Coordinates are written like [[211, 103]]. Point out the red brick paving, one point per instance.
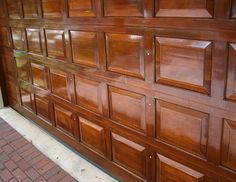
[[20, 161]]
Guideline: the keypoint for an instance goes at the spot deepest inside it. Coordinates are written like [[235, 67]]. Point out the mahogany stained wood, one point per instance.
[[144, 88]]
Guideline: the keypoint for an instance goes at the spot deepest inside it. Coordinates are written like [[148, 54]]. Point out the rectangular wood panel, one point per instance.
[[129, 155], [39, 76], [191, 8], [169, 170], [34, 40], [184, 63], [18, 36], [42, 108], [123, 8], [52, 8], [81, 8], [84, 48], [30, 8], [182, 127], [23, 69], [125, 54], [90, 131], [229, 144], [13, 8], [135, 116]]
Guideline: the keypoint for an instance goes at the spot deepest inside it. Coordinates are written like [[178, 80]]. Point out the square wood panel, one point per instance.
[[52, 8], [13, 8], [123, 8], [39, 76], [90, 131], [55, 44], [182, 127], [169, 170], [34, 40], [125, 54], [66, 121], [129, 154], [134, 117], [233, 8], [60, 84], [191, 8], [18, 36], [26, 99], [81, 8], [23, 69], [231, 79], [184, 63], [88, 94], [42, 108], [84, 48], [229, 144], [30, 8]]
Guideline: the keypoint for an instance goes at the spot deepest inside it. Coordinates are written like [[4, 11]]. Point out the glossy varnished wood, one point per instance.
[[144, 88]]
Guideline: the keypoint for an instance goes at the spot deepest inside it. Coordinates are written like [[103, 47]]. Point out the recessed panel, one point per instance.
[[59, 82], [233, 8], [65, 121], [2, 10], [182, 127], [18, 37], [183, 8], [129, 155], [88, 94], [55, 44], [125, 54], [184, 63], [30, 8], [13, 9], [23, 71], [26, 99], [84, 48], [127, 108], [42, 108], [231, 79], [93, 136], [52, 8], [4, 37], [39, 75], [34, 41], [229, 144], [81, 8], [123, 8], [172, 171]]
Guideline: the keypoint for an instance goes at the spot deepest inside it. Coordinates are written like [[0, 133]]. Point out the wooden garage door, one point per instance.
[[144, 88]]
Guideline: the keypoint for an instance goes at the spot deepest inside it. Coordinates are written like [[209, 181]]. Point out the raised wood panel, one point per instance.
[[81, 8], [183, 8], [18, 36], [182, 127], [66, 121], [172, 171], [229, 144], [233, 8], [231, 79], [13, 9], [26, 99], [39, 75], [88, 94], [184, 63], [9, 64], [23, 70], [129, 155], [60, 84], [2, 9], [125, 54], [134, 117], [84, 48], [30, 8], [42, 108], [4, 37], [34, 40], [93, 136], [55, 44], [11, 90], [52, 8], [123, 8]]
